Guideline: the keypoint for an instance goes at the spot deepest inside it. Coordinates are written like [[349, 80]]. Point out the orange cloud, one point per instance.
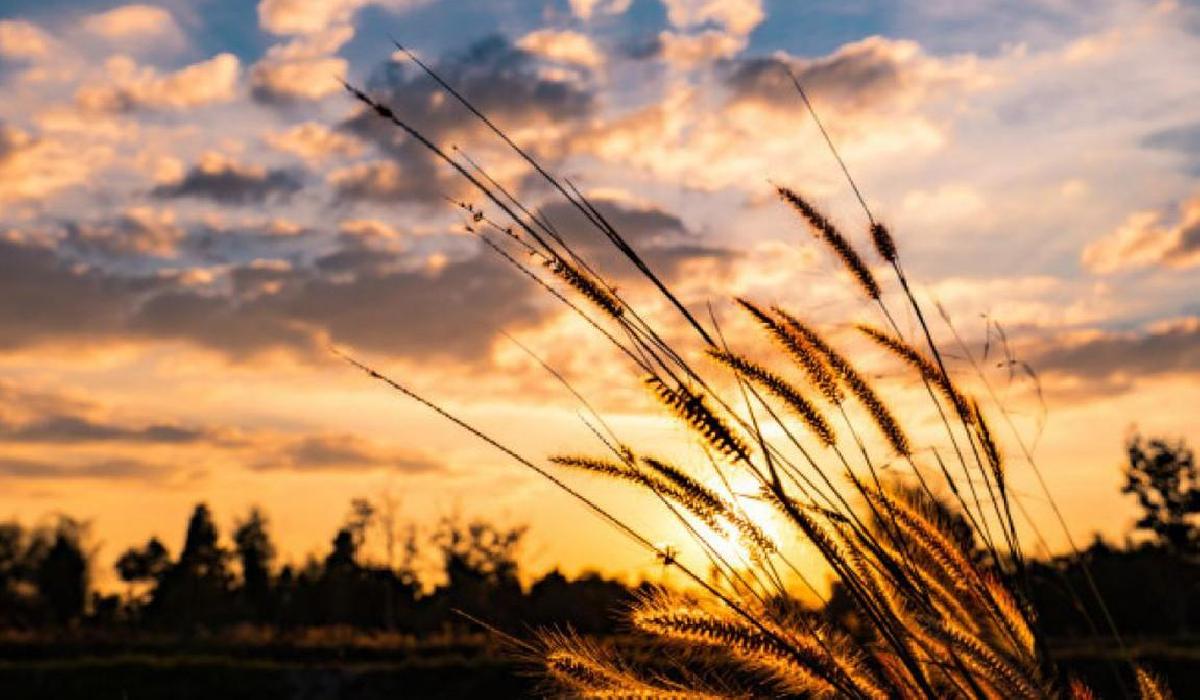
[[303, 68], [585, 9], [314, 142], [689, 50], [32, 167], [564, 46], [21, 39], [131, 87], [1143, 240], [740, 17], [133, 21]]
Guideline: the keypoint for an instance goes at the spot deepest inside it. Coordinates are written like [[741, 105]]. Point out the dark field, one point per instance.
[[379, 668]]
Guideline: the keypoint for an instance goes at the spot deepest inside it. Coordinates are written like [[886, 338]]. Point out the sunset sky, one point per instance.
[[192, 210]]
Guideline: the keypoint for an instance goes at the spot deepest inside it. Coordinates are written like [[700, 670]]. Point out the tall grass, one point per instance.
[[918, 534]]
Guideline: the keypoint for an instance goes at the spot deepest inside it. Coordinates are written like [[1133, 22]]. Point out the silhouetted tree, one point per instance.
[[62, 573], [480, 564], [255, 554], [1163, 477], [195, 591], [143, 565]]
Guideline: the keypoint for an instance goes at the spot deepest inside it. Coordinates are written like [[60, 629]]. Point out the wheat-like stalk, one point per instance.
[[933, 614]]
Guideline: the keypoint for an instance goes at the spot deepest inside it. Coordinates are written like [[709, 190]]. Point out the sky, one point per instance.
[[192, 210]]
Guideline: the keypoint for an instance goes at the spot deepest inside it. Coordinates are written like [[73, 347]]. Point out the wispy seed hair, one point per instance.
[[826, 231]]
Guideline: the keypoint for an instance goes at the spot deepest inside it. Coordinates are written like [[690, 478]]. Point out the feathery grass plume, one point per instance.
[[885, 245], [585, 285], [781, 389], [1009, 681], [590, 671], [826, 231], [991, 450], [1015, 616], [797, 664], [855, 382], [604, 467], [926, 368], [944, 556], [935, 620], [801, 351], [1079, 691], [1150, 687], [693, 410], [708, 505]]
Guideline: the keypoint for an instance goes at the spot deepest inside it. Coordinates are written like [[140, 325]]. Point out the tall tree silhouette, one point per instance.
[[1163, 476], [256, 553], [194, 592]]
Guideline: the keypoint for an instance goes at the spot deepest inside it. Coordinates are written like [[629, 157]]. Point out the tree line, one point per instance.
[[1151, 585]]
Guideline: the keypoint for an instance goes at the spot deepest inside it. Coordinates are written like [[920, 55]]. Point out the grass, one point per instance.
[[926, 553]]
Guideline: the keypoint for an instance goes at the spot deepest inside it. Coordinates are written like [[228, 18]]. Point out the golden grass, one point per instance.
[[938, 605]]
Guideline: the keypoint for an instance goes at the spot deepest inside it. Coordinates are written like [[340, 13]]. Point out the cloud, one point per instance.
[[586, 9], [138, 231], [739, 17], [1167, 348], [220, 179], [687, 51], [98, 469], [344, 452], [314, 142], [44, 297], [1144, 240], [659, 237], [859, 75], [71, 429], [564, 46], [501, 80], [301, 69], [32, 168], [23, 40], [134, 22], [207, 82]]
